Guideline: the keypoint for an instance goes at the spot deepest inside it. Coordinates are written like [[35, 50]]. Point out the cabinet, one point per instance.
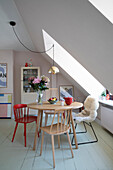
[[28, 95], [107, 118]]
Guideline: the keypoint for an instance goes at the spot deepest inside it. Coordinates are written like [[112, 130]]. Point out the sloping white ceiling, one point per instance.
[[75, 24], [105, 7]]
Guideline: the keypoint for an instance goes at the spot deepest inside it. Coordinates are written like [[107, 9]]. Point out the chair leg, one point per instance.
[[73, 135], [75, 128], [58, 141], [84, 128], [46, 118], [38, 131], [14, 132], [52, 140], [69, 122], [41, 121], [70, 144], [64, 115], [93, 141], [94, 134], [38, 135], [25, 133], [42, 143], [78, 132]]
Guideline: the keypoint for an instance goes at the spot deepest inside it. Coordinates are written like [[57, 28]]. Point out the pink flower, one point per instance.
[[36, 80], [39, 84]]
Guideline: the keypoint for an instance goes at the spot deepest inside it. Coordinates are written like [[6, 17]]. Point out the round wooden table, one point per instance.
[[54, 107]]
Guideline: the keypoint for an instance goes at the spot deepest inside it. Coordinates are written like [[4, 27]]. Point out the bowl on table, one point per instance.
[[52, 100]]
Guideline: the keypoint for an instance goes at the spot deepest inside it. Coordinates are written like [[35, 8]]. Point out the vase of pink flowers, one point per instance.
[[39, 85]]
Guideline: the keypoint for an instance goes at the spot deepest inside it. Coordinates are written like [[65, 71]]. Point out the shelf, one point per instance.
[[107, 102]]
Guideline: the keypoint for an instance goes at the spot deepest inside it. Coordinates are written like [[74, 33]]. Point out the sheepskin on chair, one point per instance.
[[90, 110], [87, 115]]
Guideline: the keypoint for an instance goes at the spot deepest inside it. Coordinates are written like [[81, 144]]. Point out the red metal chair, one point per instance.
[[21, 114]]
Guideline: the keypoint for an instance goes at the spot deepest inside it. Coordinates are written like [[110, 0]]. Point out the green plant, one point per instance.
[[103, 93]]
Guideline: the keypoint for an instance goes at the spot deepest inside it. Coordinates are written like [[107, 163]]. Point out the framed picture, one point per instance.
[[66, 91], [3, 75]]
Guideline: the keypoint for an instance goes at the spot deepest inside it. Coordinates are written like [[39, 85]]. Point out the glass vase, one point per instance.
[[39, 99]]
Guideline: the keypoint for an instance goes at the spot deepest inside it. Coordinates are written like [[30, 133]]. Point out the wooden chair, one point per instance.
[[58, 127], [51, 92], [21, 114]]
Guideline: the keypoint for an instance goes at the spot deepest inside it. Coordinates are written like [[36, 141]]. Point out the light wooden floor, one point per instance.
[[14, 156]]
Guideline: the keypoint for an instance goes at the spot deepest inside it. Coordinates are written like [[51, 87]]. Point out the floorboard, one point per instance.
[[14, 156]]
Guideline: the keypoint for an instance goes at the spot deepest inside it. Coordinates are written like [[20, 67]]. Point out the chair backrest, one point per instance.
[[52, 92], [62, 124], [20, 110], [91, 103]]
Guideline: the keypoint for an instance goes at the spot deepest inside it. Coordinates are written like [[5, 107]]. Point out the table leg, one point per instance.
[[41, 120], [36, 131], [73, 129], [69, 121]]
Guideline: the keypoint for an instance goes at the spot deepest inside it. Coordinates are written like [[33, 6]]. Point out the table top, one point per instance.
[[57, 106]]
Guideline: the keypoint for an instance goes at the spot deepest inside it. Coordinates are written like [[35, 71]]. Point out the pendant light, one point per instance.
[[53, 69]]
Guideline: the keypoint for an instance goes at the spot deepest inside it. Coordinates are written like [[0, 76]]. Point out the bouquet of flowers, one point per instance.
[[39, 84]]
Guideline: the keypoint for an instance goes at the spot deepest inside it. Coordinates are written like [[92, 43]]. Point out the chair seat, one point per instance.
[[81, 117], [55, 130], [27, 119]]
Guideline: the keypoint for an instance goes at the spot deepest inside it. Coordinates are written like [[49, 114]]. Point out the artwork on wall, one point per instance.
[[66, 91], [5, 105], [3, 75]]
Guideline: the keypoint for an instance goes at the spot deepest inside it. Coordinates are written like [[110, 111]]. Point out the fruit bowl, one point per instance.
[[52, 100]]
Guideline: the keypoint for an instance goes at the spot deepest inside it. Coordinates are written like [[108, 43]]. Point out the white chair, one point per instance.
[[87, 115]]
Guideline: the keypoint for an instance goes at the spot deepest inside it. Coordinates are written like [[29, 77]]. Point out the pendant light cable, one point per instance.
[[12, 23], [53, 69], [53, 54]]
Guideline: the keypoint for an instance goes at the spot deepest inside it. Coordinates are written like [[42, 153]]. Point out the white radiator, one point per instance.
[[107, 118]]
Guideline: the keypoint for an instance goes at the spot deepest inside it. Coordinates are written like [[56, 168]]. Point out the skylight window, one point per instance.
[[105, 7], [72, 67]]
